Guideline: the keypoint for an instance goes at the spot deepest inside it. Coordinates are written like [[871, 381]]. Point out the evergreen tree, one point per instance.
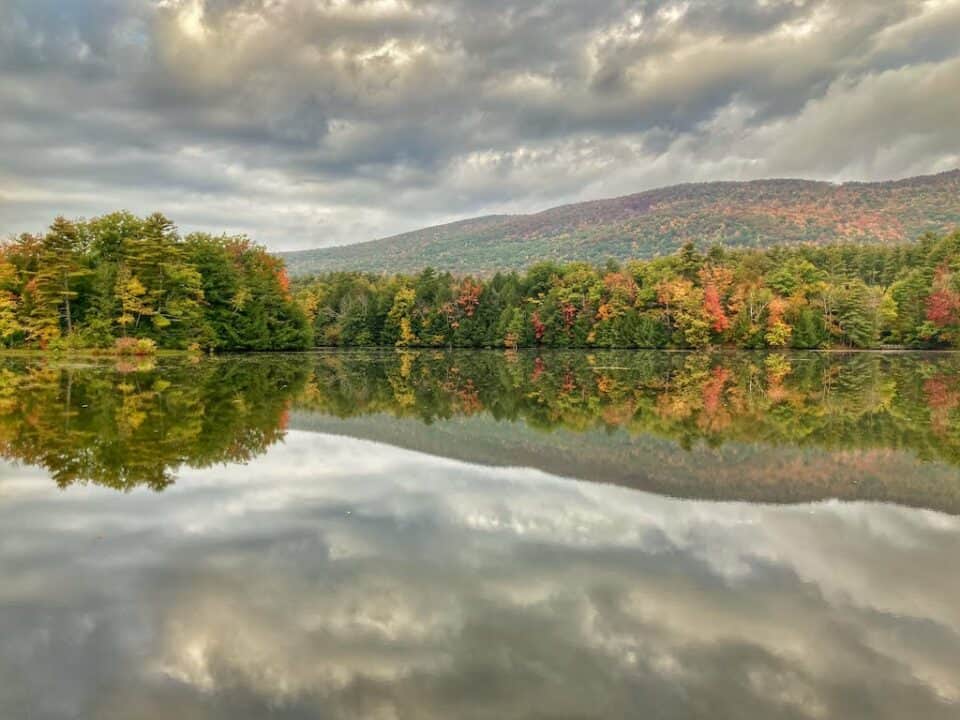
[[60, 266]]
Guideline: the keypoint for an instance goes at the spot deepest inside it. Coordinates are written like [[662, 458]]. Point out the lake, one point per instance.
[[442, 535]]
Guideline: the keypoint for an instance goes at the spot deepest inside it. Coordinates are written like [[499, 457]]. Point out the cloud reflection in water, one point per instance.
[[335, 577]]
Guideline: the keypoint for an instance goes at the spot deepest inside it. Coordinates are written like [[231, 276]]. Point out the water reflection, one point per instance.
[[388, 535], [134, 423], [739, 426], [339, 578]]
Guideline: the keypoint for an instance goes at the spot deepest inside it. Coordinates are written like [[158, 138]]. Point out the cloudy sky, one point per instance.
[[314, 122]]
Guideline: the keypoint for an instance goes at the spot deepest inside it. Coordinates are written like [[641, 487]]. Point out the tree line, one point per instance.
[[121, 280], [92, 283], [846, 295]]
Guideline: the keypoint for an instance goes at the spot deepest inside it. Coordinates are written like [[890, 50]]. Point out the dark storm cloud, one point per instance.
[[308, 122]]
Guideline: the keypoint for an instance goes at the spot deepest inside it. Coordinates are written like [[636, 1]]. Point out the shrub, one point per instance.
[[134, 346]]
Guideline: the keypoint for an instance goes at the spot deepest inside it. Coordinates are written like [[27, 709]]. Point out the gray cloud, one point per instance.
[[312, 122]]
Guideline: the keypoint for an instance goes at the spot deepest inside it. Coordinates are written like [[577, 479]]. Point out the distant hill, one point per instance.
[[735, 471], [758, 213]]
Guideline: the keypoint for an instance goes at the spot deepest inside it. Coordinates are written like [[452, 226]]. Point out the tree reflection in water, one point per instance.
[[134, 423], [125, 425]]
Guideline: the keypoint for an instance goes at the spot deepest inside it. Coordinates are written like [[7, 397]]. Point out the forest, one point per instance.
[[134, 284], [843, 295]]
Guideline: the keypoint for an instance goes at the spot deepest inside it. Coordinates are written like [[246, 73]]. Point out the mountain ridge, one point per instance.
[[750, 213]]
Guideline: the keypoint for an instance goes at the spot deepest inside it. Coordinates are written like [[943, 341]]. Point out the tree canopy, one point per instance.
[[119, 277], [850, 296], [87, 283]]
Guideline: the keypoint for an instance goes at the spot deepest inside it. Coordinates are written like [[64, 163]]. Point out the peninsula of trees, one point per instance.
[[120, 279], [124, 281]]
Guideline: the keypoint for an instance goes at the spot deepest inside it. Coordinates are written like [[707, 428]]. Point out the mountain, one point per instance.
[[757, 213], [735, 471]]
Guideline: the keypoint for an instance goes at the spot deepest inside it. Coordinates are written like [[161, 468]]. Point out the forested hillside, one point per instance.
[[755, 214], [135, 282], [854, 296]]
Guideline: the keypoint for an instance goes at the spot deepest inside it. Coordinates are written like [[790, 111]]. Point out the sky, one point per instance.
[[308, 123]]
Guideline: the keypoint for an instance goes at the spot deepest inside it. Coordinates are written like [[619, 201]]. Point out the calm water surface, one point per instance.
[[481, 535]]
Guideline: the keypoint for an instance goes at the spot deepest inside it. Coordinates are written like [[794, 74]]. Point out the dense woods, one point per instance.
[[136, 283], [846, 295]]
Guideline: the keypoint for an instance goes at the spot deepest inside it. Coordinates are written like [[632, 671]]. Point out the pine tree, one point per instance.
[[60, 267]]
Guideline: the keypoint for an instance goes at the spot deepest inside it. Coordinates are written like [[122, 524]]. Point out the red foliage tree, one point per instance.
[[714, 308], [283, 280], [469, 296], [941, 308], [539, 329], [943, 303]]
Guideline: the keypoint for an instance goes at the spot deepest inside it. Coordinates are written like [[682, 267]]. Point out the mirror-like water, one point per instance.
[[481, 535]]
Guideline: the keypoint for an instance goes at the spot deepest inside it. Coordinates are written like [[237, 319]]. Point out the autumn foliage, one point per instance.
[[713, 306], [129, 283], [839, 296]]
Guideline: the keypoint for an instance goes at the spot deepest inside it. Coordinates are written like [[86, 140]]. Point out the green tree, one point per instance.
[[60, 266]]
